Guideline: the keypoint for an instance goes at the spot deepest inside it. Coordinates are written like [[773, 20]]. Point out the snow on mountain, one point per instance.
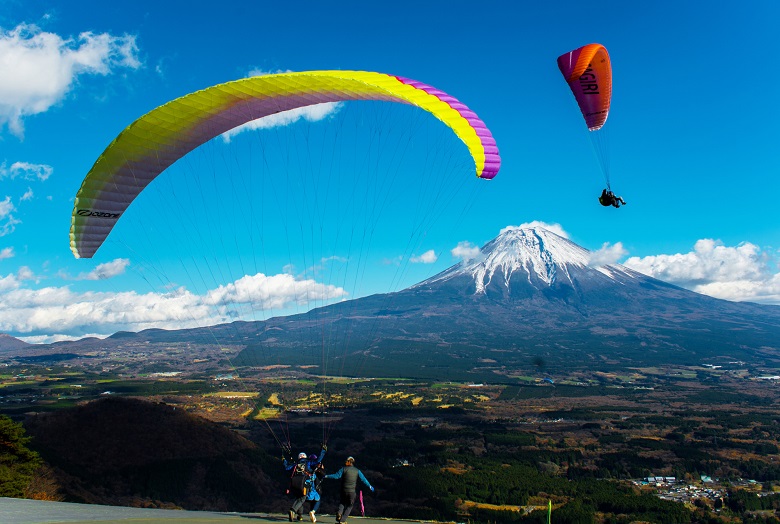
[[534, 254]]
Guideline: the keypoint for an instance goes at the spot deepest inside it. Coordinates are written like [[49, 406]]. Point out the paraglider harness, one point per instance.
[[608, 198], [300, 480], [318, 476]]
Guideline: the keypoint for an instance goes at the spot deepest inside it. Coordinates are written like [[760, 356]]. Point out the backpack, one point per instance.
[[299, 481]]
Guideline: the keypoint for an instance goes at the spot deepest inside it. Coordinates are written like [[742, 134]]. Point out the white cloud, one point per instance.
[[396, 261], [465, 251], [59, 337], [8, 283], [25, 273], [6, 207], [7, 220], [429, 257], [324, 262], [312, 113], [276, 291], [26, 170], [6, 252], [37, 68], [553, 228], [106, 270], [740, 273], [58, 313], [260, 72], [28, 195], [608, 254]]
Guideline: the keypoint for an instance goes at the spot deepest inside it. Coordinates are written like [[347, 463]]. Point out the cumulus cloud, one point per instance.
[[276, 291], [607, 254], [429, 257], [25, 273], [465, 251], [25, 170], [8, 283], [36, 315], [38, 68], [553, 228], [6, 252], [312, 113], [106, 270], [740, 273]]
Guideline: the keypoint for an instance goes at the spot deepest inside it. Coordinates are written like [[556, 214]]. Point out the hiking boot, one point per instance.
[[291, 515], [300, 517], [312, 517]]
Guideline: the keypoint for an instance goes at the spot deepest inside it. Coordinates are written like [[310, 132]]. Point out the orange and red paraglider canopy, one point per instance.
[[588, 72]]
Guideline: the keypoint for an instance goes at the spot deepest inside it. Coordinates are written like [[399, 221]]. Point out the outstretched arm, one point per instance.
[[336, 475], [364, 481]]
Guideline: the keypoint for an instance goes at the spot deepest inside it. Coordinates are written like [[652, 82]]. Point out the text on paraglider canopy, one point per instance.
[[101, 214], [588, 82]]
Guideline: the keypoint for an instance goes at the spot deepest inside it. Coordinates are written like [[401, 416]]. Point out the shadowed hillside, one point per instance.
[[129, 452]]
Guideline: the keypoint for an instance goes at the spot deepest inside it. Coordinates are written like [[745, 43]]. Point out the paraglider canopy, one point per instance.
[[158, 139], [588, 72]]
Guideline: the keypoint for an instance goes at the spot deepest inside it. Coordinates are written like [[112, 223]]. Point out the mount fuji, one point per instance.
[[530, 296]]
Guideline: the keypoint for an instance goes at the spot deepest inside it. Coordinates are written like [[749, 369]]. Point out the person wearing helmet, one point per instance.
[[300, 480], [349, 476]]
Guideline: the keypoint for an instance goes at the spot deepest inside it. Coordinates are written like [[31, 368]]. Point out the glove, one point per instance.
[[324, 447], [372, 489]]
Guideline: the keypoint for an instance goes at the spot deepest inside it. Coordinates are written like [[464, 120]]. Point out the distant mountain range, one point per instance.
[[11, 345], [531, 299]]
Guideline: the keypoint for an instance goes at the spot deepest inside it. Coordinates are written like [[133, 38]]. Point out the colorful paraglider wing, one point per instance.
[[589, 75], [155, 141]]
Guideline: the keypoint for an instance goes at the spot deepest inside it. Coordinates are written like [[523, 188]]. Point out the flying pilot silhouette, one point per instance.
[[608, 198]]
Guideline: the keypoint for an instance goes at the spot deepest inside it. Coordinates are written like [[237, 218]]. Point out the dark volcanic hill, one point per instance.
[[530, 296]]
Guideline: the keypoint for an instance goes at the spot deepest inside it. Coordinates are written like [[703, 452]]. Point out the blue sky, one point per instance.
[[693, 134]]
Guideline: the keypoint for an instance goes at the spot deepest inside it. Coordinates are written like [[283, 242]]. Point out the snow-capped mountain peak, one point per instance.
[[535, 254]]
